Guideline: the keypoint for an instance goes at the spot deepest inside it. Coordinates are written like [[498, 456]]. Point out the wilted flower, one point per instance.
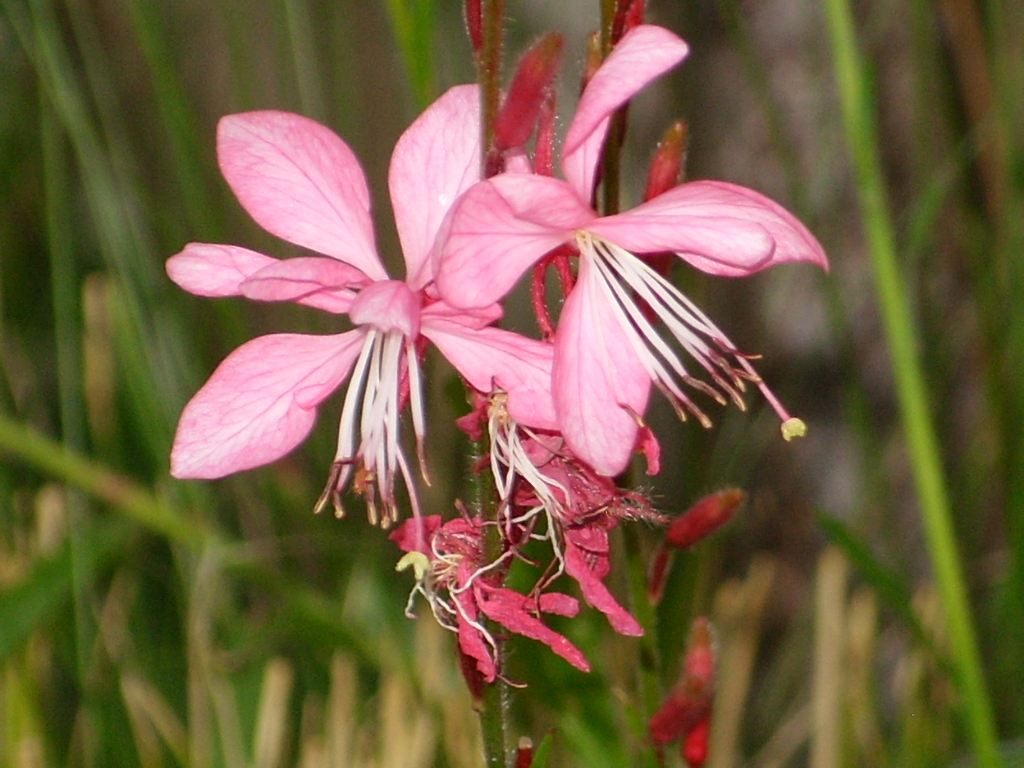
[[461, 588]]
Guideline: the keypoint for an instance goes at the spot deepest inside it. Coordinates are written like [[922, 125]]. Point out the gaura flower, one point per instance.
[[607, 353], [301, 182], [460, 587]]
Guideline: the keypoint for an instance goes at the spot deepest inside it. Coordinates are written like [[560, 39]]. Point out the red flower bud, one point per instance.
[[704, 518], [544, 149], [475, 25], [628, 14], [667, 166], [524, 752], [530, 84], [694, 748], [688, 706]]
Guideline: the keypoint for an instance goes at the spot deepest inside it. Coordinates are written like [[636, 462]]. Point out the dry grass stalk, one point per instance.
[[153, 721], [829, 659], [862, 622], [737, 615], [270, 738]]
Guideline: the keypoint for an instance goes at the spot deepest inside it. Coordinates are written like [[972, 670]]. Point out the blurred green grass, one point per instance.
[[150, 622]]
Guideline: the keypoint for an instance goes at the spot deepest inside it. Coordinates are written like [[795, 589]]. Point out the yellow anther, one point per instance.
[[415, 560], [793, 427]]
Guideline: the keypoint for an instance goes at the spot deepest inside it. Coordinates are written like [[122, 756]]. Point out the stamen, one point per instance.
[[624, 278], [368, 432], [416, 406]]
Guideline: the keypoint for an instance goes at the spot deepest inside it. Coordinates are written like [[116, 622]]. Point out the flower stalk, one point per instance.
[[494, 706], [489, 73]]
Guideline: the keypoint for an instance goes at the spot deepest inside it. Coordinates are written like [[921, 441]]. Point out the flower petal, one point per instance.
[[260, 402], [720, 228], [509, 608], [471, 642], [388, 305], [208, 269], [312, 280], [600, 387], [435, 161], [471, 318], [301, 182], [589, 578], [499, 228], [643, 54], [491, 357]]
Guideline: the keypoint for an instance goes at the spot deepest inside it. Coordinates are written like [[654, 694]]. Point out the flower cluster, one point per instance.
[[561, 415]]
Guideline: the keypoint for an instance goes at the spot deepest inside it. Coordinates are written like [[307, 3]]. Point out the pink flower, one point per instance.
[[462, 589], [607, 353], [301, 182]]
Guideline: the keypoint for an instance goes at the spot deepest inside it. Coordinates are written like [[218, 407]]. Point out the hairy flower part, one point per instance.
[[537, 477], [462, 589], [587, 507], [608, 353], [301, 182]]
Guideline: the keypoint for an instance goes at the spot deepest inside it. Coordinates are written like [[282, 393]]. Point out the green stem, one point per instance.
[[494, 705], [858, 119], [649, 675], [490, 76], [611, 153]]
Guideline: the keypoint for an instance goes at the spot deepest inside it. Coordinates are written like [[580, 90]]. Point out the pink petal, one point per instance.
[[207, 269], [311, 280], [594, 590], [260, 402], [471, 642], [499, 228], [490, 357], [410, 534], [435, 161], [600, 387], [471, 318], [388, 305], [301, 182], [508, 608], [720, 228], [644, 53], [559, 604]]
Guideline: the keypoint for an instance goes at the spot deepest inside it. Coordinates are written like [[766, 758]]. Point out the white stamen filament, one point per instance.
[[623, 277], [368, 433], [510, 460]]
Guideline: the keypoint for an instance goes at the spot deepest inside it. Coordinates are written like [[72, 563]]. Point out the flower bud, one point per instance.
[[694, 748], [475, 25], [530, 84], [704, 518], [689, 703], [628, 14], [667, 167], [524, 752]]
